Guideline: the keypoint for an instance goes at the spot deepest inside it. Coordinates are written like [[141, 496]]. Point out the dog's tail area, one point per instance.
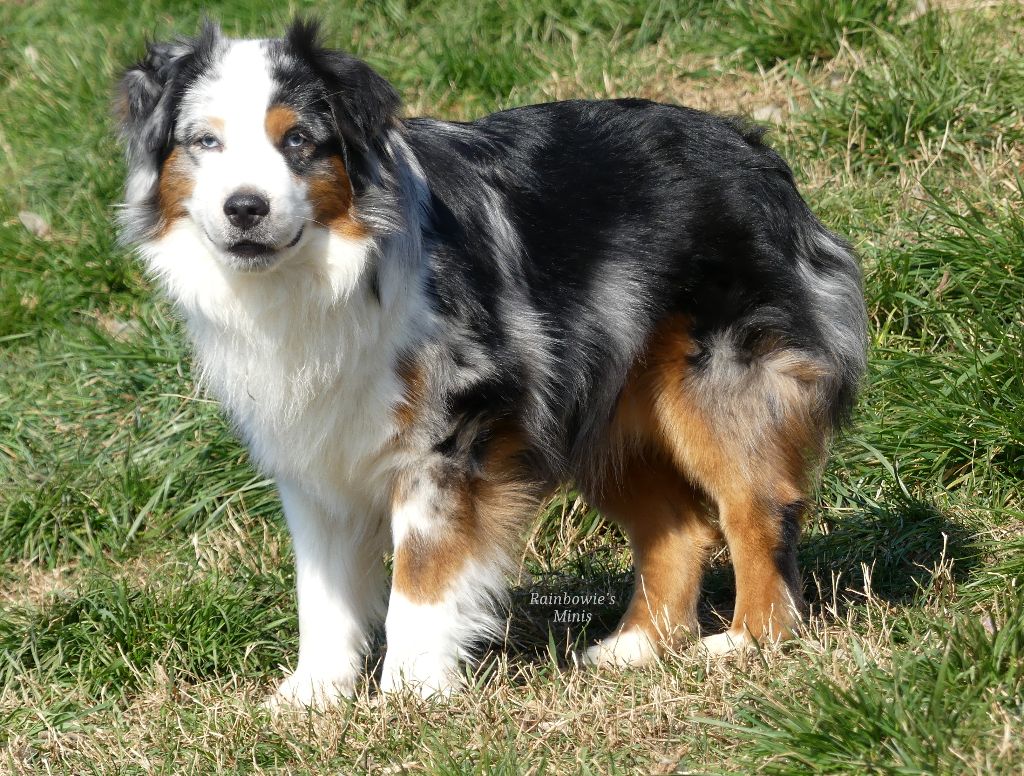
[[774, 387], [832, 282], [744, 412]]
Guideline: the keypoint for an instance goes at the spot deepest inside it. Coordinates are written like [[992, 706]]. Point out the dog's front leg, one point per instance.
[[340, 581], [450, 559]]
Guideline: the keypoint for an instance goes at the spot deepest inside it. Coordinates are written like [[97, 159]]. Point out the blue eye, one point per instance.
[[208, 142], [295, 139]]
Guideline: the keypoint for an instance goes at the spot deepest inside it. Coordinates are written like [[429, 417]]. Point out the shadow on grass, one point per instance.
[[555, 614], [894, 547], [891, 549]]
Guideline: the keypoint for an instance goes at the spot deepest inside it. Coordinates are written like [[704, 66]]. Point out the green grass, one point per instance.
[[146, 599], [935, 83], [199, 626], [927, 710], [765, 33]]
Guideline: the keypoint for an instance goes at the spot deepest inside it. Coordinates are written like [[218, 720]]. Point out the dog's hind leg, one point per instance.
[[747, 428], [670, 535]]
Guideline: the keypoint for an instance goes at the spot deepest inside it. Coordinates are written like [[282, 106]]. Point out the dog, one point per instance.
[[422, 328]]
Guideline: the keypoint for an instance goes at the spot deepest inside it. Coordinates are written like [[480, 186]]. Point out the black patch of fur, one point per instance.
[[151, 90], [357, 102], [653, 209], [790, 520]]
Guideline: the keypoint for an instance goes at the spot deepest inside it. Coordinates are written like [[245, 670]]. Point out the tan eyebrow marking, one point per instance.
[[278, 121]]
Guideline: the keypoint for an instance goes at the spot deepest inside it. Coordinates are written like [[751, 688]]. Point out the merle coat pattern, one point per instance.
[[421, 328]]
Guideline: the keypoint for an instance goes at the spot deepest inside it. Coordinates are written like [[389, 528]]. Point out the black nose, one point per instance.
[[245, 210]]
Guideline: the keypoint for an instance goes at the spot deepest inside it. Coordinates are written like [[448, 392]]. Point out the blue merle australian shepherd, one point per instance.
[[422, 328]]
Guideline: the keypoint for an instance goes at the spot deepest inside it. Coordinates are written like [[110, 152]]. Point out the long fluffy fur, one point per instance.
[[520, 265]]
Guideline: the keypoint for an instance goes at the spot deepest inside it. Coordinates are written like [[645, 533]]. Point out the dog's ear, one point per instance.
[[145, 96], [363, 102], [145, 107], [143, 102]]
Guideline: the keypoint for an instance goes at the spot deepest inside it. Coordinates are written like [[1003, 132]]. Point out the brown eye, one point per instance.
[[295, 139]]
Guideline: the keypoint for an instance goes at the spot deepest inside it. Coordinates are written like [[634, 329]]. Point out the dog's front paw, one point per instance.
[[628, 648], [317, 692], [422, 675]]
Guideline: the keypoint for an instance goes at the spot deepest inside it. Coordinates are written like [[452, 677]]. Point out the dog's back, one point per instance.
[[564, 233]]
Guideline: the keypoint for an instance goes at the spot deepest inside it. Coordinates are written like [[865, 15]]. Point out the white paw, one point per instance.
[[423, 675], [629, 648], [727, 643], [303, 689]]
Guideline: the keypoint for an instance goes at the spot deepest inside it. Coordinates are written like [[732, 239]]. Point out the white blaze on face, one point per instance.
[[231, 103]]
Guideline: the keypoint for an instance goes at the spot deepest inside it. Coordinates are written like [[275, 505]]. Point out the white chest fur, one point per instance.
[[312, 392], [302, 358]]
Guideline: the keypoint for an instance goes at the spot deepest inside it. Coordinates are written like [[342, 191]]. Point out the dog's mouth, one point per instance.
[[250, 249]]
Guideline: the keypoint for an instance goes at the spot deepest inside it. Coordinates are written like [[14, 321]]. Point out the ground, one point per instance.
[[145, 574]]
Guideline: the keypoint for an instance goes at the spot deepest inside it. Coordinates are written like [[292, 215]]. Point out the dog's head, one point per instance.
[[252, 144]]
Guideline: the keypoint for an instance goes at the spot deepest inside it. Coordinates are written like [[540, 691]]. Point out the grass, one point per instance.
[[765, 33], [930, 710], [145, 575], [934, 83]]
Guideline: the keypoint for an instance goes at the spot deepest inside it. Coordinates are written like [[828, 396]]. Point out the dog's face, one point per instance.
[[253, 144]]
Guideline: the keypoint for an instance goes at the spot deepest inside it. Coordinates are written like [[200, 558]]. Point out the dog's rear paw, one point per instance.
[[629, 648], [727, 643]]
